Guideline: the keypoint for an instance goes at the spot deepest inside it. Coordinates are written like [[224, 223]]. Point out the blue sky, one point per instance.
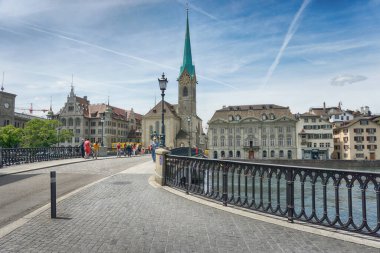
[[296, 53]]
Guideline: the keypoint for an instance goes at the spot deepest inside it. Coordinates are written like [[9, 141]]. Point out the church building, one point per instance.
[[182, 125]]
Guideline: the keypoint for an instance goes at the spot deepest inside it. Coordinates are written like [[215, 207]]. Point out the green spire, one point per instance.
[[187, 60]]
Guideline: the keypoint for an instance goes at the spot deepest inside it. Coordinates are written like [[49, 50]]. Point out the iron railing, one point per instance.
[[13, 156], [341, 199]]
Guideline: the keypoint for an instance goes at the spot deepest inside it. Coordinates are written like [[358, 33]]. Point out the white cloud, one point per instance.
[[345, 79]]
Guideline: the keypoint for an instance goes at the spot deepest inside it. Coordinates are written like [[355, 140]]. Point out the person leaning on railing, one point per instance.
[[96, 149]]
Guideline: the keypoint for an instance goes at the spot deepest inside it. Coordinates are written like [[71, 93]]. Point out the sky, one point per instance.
[[296, 53]]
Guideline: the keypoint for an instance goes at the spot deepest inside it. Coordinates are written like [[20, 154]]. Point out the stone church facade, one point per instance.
[[182, 125]]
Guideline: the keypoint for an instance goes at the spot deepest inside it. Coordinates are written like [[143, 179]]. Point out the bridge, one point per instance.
[[144, 207]]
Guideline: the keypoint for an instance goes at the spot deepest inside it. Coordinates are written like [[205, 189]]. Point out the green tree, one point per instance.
[[43, 133], [10, 136]]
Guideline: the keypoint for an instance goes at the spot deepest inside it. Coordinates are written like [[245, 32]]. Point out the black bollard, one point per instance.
[[53, 195]]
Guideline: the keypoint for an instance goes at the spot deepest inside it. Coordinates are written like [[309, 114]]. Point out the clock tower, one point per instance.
[[7, 108]]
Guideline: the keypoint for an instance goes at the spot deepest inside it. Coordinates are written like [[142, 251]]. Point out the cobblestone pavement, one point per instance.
[[125, 214]]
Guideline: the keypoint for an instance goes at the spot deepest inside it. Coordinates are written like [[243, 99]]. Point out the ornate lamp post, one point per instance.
[[163, 82], [102, 121], [189, 130]]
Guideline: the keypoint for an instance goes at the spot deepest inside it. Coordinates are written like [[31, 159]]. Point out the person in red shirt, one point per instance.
[[87, 148], [118, 150]]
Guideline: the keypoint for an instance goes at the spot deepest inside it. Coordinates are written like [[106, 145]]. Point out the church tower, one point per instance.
[[187, 81]]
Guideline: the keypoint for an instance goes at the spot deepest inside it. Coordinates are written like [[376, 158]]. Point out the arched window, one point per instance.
[[77, 121], [222, 154], [281, 154], [272, 153], [230, 154], [289, 154], [222, 141], [264, 154], [215, 154], [215, 141], [238, 153], [185, 92], [71, 122], [63, 122]]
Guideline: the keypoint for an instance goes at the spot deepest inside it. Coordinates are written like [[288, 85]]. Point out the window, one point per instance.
[[76, 139], [281, 141], [71, 122], [230, 118], [272, 141], [305, 120], [358, 138], [238, 141], [358, 130], [264, 141], [63, 121], [222, 141], [92, 131], [321, 145], [289, 154], [359, 155], [77, 121], [99, 131], [313, 120], [264, 154], [215, 155], [272, 153], [327, 144], [77, 131], [363, 122], [288, 129], [359, 147], [222, 154], [280, 130], [215, 141], [185, 92], [230, 154], [238, 153], [230, 141], [345, 139], [371, 138], [222, 130], [238, 130], [371, 130], [264, 117], [281, 153], [71, 108], [315, 145], [250, 130], [238, 117], [309, 144], [289, 141], [230, 130], [93, 124], [371, 147], [214, 131]]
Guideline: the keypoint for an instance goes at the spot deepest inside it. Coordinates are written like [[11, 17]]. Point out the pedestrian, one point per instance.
[[125, 149], [153, 149], [118, 149], [96, 150], [82, 148], [87, 148], [129, 150]]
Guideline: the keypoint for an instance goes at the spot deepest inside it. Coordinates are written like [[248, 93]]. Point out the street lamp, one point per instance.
[[163, 82], [58, 130], [102, 121], [189, 130]]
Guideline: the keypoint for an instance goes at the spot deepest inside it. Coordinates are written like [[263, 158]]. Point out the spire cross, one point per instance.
[[2, 83]]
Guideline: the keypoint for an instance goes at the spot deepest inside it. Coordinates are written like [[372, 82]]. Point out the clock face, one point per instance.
[[6, 105]]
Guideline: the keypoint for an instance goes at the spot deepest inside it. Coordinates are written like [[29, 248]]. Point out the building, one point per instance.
[[98, 122], [357, 140], [7, 108], [314, 137], [182, 125], [252, 132]]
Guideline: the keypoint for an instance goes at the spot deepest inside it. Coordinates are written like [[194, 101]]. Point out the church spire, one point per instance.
[[187, 59]]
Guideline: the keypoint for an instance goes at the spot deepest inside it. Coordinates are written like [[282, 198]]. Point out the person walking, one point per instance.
[[96, 150], [81, 146], [153, 149], [87, 148], [118, 149]]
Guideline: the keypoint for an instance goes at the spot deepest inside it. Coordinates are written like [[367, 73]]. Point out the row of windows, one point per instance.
[[251, 142], [272, 154], [321, 145], [309, 127], [317, 136], [250, 130], [361, 138]]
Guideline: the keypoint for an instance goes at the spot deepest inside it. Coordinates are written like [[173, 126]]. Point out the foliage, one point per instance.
[[43, 133], [10, 136]]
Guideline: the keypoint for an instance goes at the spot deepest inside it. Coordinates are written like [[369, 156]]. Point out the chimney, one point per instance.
[[324, 107]]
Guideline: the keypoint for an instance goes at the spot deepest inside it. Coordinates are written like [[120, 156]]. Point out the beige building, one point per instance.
[[252, 132], [314, 137], [357, 140], [97, 122], [182, 125]]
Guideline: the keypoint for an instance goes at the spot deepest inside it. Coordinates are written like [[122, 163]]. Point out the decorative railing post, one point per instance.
[[1, 157], [188, 179], [290, 194], [225, 184], [161, 165]]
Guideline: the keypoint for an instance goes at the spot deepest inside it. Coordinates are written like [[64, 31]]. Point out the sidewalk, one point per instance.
[[124, 213]]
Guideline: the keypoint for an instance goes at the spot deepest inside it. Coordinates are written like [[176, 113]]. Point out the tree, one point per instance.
[[43, 133], [10, 136]]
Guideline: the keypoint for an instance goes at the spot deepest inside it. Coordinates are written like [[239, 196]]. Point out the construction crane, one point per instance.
[[31, 110]]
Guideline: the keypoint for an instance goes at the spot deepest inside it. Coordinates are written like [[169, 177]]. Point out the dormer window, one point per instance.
[[271, 116], [238, 117], [230, 118], [264, 117]]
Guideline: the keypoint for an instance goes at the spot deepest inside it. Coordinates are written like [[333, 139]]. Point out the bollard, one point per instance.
[[224, 185], [188, 178], [53, 195]]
